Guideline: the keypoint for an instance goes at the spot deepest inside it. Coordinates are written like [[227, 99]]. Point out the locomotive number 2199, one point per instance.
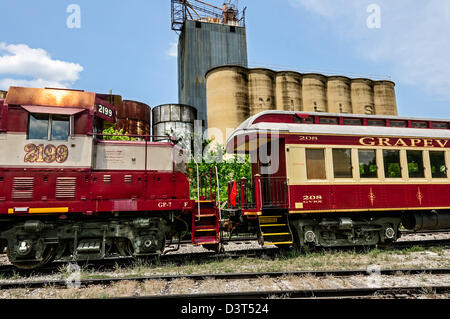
[[45, 154]]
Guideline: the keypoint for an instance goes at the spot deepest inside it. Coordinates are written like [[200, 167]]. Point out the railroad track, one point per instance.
[[224, 276], [181, 258], [346, 293]]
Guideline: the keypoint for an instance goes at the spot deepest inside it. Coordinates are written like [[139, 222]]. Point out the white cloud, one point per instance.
[[25, 66], [413, 38], [173, 50]]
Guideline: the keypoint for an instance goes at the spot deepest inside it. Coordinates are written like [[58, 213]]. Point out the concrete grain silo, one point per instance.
[[384, 98], [288, 91], [362, 97], [339, 95], [227, 98], [235, 93], [261, 84], [314, 92]]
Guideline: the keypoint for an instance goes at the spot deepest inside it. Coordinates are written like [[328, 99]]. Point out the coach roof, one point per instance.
[[250, 126]]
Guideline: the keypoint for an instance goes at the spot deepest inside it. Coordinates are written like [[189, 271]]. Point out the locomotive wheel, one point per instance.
[[49, 255]]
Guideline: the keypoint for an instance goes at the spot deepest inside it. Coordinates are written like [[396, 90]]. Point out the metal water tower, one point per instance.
[[209, 36]]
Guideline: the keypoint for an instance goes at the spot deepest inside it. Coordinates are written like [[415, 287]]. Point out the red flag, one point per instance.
[[233, 194]]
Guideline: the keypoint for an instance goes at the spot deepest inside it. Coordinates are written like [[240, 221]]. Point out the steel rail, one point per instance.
[[180, 258], [311, 293], [224, 276]]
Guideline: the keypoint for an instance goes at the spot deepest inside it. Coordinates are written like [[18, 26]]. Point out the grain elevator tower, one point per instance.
[[209, 36]]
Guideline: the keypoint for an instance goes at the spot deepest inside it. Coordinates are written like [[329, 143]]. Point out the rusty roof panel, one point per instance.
[[50, 97]]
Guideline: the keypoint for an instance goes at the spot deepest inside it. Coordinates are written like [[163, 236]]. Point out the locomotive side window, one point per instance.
[[368, 163], [342, 163], [60, 128], [315, 164], [415, 164], [392, 167], [38, 127], [48, 127], [438, 167]]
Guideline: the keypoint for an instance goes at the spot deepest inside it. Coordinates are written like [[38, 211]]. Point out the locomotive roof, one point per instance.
[[252, 125]]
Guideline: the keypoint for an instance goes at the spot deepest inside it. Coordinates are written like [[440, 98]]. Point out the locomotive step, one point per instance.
[[205, 215], [206, 229]]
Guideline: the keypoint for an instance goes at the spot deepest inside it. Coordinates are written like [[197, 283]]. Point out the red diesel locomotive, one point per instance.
[[66, 192]]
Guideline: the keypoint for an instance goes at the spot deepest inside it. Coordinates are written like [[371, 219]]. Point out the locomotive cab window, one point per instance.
[[392, 167], [438, 167], [342, 163], [315, 164], [368, 163], [415, 164], [48, 127]]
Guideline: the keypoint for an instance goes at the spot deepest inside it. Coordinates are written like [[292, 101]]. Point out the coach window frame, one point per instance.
[[375, 151], [333, 162], [325, 165], [409, 153], [428, 157], [400, 162]]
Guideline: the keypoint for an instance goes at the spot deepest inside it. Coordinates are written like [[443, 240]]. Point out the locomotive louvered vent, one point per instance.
[[66, 187], [128, 178], [107, 179], [23, 188]]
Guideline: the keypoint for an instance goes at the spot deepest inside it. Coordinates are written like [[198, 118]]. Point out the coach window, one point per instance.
[[48, 127], [342, 163], [438, 167], [368, 163], [415, 164], [315, 164], [392, 167]]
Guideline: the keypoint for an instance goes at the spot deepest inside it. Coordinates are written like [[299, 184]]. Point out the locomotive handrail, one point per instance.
[[164, 137]]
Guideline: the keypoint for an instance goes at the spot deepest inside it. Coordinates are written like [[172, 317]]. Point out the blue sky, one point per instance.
[[127, 46]]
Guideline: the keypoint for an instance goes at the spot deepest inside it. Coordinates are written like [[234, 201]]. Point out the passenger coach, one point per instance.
[[334, 179]]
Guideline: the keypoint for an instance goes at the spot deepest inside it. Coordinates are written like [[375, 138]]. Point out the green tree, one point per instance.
[[229, 168], [119, 135]]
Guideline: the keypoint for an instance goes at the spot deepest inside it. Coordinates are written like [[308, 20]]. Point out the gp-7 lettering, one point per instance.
[[45, 153]]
